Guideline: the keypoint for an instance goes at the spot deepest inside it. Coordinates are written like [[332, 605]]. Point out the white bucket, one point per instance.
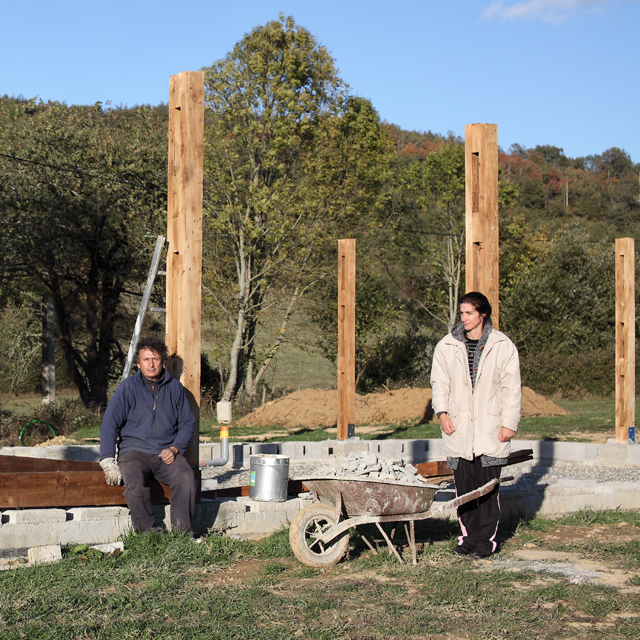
[[269, 476], [223, 411]]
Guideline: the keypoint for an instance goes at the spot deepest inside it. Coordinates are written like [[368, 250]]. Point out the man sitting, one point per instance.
[[150, 417]]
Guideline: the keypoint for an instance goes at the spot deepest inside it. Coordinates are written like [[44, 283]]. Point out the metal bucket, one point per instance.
[[268, 479]]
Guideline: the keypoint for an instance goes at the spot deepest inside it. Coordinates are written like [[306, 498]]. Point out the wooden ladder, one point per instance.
[[151, 278]]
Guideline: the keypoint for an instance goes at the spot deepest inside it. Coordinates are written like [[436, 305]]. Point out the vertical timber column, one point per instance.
[[481, 204], [346, 338], [625, 341], [184, 235]]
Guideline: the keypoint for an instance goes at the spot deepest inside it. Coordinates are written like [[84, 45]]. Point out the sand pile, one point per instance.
[[317, 408]]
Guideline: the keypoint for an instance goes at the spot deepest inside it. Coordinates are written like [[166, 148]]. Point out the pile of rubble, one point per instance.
[[369, 466]]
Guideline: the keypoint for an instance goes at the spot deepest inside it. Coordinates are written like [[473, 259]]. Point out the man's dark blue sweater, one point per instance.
[[145, 423]]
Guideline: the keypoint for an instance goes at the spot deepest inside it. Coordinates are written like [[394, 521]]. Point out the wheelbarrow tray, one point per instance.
[[372, 497]]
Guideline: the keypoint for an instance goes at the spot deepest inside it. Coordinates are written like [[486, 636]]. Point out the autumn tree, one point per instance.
[[83, 195], [429, 229], [291, 160]]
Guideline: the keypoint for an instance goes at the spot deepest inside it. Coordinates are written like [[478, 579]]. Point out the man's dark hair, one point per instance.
[[152, 343], [478, 301]]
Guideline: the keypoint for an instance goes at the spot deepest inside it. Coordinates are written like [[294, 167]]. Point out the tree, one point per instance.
[[429, 229], [83, 194], [290, 159]]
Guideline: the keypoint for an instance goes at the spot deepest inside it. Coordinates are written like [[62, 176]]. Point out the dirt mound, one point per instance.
[[317, 408], [533, 404]]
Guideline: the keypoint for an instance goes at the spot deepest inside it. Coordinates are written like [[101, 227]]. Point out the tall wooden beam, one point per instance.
[[346, 338], [625, 341], [184, 235], [481, 182]]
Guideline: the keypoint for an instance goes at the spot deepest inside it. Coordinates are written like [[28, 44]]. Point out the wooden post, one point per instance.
[[184, 235], [625, 341], [481, 184], [346, 338]]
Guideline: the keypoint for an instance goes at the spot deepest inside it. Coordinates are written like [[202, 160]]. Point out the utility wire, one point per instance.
[[74, 171]]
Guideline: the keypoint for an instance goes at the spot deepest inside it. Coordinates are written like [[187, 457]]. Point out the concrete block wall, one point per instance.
[[21, 529], [411, 451], [24, 528]]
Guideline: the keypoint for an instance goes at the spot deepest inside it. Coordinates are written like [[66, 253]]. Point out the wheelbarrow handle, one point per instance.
[[468, 497]]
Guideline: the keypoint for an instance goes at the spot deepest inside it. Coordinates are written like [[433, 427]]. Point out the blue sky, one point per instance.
[[560, 72]]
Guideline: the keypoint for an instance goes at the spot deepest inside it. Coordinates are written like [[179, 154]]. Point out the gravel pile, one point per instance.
[[530, 473], [368, 465]]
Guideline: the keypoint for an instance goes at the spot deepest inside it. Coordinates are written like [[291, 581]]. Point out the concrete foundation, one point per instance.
[[411, 451], [22, 529]]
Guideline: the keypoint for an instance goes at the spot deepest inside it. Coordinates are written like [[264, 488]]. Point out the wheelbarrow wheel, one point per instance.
[[306, 526]]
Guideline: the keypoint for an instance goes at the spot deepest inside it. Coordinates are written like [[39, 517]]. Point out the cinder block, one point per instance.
[[591, 452], [46, 554], [29, 452], [28, 535], [300, 450], [571, 451], [544, 450], [342, 448], [291, 505], [7, 517], [205, 452], [102, 514], [634, 454], [613, 455], [39, 516], [82, 452], [417, 451]]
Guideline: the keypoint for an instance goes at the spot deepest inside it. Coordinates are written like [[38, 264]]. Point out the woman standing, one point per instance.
[[475, 379]]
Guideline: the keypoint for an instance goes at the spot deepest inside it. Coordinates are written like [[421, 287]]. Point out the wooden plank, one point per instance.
[[65, 487], [481, 198], [625, 341], [20, 464], [433, 469], [346, 338], [184, 233]]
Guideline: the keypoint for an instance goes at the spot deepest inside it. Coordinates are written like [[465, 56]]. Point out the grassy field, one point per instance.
[[590, 420], [166, 586]]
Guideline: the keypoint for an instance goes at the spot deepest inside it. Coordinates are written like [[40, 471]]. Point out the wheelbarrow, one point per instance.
[[319, 533]]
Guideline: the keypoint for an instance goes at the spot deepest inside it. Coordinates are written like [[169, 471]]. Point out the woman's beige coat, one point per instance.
[[477, 414]]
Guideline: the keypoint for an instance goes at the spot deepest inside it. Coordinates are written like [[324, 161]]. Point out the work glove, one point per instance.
[[111, 471]]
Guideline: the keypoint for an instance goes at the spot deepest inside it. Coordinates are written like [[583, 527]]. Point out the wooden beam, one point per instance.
[[20, 464], [625, 341], [481, 182], [346, 338], [433, 469], [184, 234], [32, 483]]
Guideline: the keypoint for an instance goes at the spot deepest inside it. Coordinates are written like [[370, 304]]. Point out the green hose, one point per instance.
[[33, 422]]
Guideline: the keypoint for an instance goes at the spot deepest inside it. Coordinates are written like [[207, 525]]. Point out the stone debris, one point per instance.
[[113, 549], [368, 465], [45, 554]]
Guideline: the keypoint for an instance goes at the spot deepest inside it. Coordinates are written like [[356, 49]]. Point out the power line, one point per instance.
[[75, 171]]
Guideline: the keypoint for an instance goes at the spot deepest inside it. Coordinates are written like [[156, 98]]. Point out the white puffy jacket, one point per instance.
[[477, 414]]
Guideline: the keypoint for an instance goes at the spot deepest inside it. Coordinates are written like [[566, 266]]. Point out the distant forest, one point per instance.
[[291, 167]]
